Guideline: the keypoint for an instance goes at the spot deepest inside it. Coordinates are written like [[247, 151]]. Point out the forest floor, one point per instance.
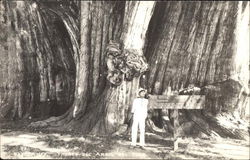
[[17, 142]]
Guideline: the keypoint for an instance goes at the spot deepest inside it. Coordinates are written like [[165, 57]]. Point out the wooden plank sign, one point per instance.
[[177, 101]]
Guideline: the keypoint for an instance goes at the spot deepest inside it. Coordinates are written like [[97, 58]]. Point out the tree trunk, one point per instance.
[[112, 104], [196, 44], [38, 68]]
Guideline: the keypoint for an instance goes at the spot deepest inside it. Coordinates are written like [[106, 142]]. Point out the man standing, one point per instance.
[[139, 111]]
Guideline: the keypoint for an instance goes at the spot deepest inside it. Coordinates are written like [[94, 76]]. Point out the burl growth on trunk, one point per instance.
[[123, 65]]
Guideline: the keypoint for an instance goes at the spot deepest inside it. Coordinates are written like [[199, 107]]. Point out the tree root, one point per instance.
[[196, 124], [223, 125]]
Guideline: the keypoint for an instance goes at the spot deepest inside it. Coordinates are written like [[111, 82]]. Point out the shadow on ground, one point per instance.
[[19, 142]]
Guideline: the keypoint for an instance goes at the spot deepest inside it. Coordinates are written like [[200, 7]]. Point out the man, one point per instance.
[[139, 111]]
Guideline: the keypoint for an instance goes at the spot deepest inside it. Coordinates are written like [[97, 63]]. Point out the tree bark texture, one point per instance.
[[194, 43], [111, 105], [38, 73]]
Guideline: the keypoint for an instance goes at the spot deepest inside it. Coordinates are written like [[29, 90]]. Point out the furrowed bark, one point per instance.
[[82, 63]]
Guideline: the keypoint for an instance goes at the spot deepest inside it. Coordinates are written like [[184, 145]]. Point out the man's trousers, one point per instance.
[[138, 121]]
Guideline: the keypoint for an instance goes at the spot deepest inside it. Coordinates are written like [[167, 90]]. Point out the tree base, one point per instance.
[[197, 124]]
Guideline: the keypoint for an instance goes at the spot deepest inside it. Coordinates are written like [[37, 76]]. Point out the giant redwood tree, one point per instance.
[[78, 64]]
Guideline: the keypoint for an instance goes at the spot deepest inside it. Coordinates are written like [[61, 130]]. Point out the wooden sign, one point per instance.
[[177, 101]]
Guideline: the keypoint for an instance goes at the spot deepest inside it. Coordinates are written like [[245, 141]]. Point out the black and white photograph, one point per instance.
[[117, 79]]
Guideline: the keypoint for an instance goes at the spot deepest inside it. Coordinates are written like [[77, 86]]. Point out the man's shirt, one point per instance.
[[140, 107]]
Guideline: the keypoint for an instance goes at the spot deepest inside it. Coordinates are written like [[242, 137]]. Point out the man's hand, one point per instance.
[[148, 95], [130, 115]]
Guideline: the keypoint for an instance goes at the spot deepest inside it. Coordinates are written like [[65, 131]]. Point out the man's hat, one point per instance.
[[140, 90]]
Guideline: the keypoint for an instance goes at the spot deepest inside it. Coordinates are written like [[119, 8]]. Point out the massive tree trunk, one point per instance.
[[83, 61], [38, 68], [197, 44], [112, 103], [109, 101]]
